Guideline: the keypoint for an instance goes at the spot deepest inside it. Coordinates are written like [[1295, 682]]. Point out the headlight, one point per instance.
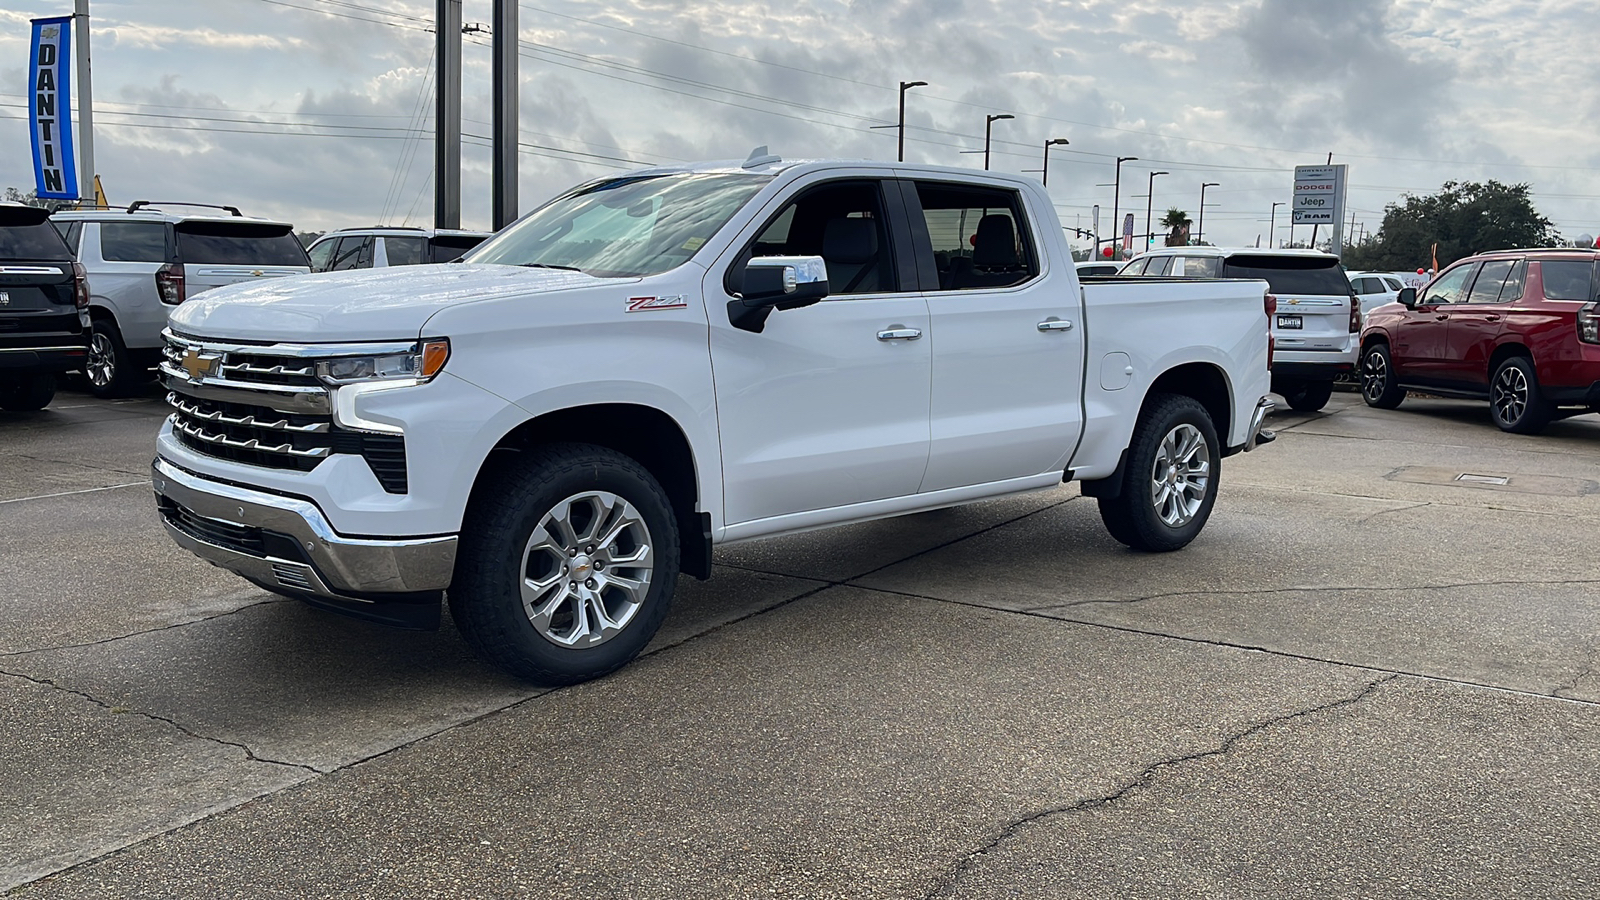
[[419, 365]]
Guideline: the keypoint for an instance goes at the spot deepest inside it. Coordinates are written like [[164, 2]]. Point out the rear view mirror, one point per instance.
[[777, 282], [1408, 297]]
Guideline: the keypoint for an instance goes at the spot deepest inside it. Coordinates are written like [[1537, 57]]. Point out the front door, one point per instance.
[[828, 405], [1421, 347], [1007, 345]]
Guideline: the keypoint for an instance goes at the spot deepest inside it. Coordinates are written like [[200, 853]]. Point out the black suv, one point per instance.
[[44, 295]]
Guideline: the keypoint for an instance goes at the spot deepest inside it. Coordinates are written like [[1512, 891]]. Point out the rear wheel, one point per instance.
[[1516, 403], [1170, 480], [28, 393], [1303, 394], [568, 562], [110, 367], [1378, 386]]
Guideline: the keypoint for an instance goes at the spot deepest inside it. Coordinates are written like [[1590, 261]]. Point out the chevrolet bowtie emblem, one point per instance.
[[199, 364]]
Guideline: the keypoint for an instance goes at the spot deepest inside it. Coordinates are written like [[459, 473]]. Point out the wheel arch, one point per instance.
[[643, 433], [1505, 351], [1206, 383]]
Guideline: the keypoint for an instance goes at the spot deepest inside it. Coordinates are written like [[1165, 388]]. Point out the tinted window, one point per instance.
[[1393, 284], [1291, 274], [355, 252], [980, 237], [447, 247], [239, 244], [405, 251], [133, 242], [1567, 279], [1202, 266], [1451, 287], [32, 242], [841, 222], [69, 232], [1512, 291], [321, 254], [1491, 278]]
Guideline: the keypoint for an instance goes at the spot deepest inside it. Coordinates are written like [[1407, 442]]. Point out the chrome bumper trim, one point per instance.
[[1258, 435], [339, 567]]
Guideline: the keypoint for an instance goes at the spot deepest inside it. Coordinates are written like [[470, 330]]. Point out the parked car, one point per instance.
[[656, 363], [1374, 289], [1318, 322], [1091, 267], [375, 248], [43, 297], [1519, 328], [143, 261]]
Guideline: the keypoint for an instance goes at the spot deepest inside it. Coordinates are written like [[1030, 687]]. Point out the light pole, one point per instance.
[[1149, 207], [1116, 197], [1200, 227], [905, 86], [1272, 225], [1047, 144], [988, 132]]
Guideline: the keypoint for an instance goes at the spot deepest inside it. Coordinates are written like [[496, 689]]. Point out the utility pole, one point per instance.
[[447, 124], [1149, 207], [86, 182], [1272, 224], [905, 86], [1116, 198], [507, 41], [988, 132], [1200, 228]]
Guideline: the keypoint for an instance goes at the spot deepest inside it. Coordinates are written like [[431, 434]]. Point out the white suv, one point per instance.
[[143, 261], [1317, 327], [375, 248]]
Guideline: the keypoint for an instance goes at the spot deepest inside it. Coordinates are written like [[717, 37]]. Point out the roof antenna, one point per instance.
[[760, 157]]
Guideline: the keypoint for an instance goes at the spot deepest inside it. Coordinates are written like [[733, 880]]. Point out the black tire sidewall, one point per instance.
[[28, 393], [1311, 397], [1136, 510], [485, 598]]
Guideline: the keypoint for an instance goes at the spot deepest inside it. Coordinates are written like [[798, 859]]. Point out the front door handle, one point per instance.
[[1441, 317], [899, 333], [1055, 324], [1491, 318]]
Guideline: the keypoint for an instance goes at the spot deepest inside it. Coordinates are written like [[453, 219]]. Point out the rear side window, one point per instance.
[[1567, 279], [444, 249], [1201, 266], [980, 237], [1291, 274], [405, 251], [32, 242], [240, 244], [133, 242], [1159, 265]]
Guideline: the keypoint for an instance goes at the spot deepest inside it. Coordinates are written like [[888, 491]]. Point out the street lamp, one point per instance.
[[1047, 144], [1149, 207], [1116, 197], [1200, 227], [905, 86], [1272, 224], [988, 131]]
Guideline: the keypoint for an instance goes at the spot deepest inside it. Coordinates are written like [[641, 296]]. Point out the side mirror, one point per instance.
[[1408, 297], [777, 282]]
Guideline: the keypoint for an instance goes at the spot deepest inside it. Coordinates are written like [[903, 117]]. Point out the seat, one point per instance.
[[994, 256], [850, 248]]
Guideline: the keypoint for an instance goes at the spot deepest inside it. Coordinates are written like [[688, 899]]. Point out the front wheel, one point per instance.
[[1170, 480], [1516, 403], [568, 562], [1378, 387], [110, 368], [28, 393]]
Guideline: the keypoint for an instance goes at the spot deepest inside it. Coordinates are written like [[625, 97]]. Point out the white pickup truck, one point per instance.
[[653, 364]]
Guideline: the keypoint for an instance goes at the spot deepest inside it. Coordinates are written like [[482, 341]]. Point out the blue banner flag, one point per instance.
[[55, 168]]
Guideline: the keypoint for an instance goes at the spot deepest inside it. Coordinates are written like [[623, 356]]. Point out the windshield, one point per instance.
[[625, 226]]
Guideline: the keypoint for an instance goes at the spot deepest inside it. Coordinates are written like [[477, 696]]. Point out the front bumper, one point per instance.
[[286, 544]]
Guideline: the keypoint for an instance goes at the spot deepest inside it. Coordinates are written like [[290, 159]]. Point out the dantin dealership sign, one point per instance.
[[50, 109]]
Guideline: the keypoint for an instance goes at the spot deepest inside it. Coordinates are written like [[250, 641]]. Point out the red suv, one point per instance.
[[1519, 328]]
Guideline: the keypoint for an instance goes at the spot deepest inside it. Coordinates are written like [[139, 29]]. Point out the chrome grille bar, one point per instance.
[[193, 411], [200, 434]]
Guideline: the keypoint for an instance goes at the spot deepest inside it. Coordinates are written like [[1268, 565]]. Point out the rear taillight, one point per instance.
[[1355, 316], [1589, 323], [1270, 304], [80, 286], [169, 284]]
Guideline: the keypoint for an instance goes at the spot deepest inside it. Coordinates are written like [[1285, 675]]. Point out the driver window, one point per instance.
[[842, 222], [1450, 288]]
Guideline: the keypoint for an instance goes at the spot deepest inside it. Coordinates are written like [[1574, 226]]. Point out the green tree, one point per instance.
[[1463, 218], [31, 198], [1177, 222]]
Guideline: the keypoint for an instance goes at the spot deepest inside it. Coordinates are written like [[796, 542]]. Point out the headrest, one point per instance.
[[995, 245], [850, 241]]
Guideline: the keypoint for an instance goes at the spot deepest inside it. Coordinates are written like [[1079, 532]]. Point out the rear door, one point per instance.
[[219, 252], [37, 303], [123, 256], [1314, 298]]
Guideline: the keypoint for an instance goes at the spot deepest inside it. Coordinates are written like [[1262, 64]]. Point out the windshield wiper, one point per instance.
[[549, 266]]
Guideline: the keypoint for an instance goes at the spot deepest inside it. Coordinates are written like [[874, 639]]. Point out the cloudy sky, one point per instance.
[[320, 111]]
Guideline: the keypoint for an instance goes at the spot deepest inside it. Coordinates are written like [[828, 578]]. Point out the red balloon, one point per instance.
[[1107, 252], [1422, 271]]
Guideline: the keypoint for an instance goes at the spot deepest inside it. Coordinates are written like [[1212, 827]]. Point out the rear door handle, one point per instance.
[[1441, 317], [899, 333], [1055, 324], [1491, 318]]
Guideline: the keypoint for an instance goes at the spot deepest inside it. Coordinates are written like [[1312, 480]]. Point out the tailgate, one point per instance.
[[1309, 322], [1314, 297], [205, 277]]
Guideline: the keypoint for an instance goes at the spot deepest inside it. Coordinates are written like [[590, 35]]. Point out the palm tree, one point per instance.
[[1176, 221]]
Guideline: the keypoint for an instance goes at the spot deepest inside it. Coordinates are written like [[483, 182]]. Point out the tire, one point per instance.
[[110, 367], [515, 598], [1306, 396], [1516, 403], [28, 393], [1378, 386], [1162, 506]]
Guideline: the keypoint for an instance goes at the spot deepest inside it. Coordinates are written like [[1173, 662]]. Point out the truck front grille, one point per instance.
[[251, 434]]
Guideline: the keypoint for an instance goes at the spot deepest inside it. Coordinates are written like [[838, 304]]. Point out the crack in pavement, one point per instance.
[[1375, 589], [946, 882], [1385, 512], [118, 710], [1471, 506], [1587, 672], [133, 634]]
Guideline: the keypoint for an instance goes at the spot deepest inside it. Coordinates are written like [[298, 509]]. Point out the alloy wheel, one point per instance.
[[1374, 377], [1510, 397], [1180, 475], [586, 569], [101, 366]]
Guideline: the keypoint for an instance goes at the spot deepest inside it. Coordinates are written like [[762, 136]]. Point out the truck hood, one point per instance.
[[366, 305]]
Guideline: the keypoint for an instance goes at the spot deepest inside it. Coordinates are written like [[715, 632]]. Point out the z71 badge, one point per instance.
[[651, 304]]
